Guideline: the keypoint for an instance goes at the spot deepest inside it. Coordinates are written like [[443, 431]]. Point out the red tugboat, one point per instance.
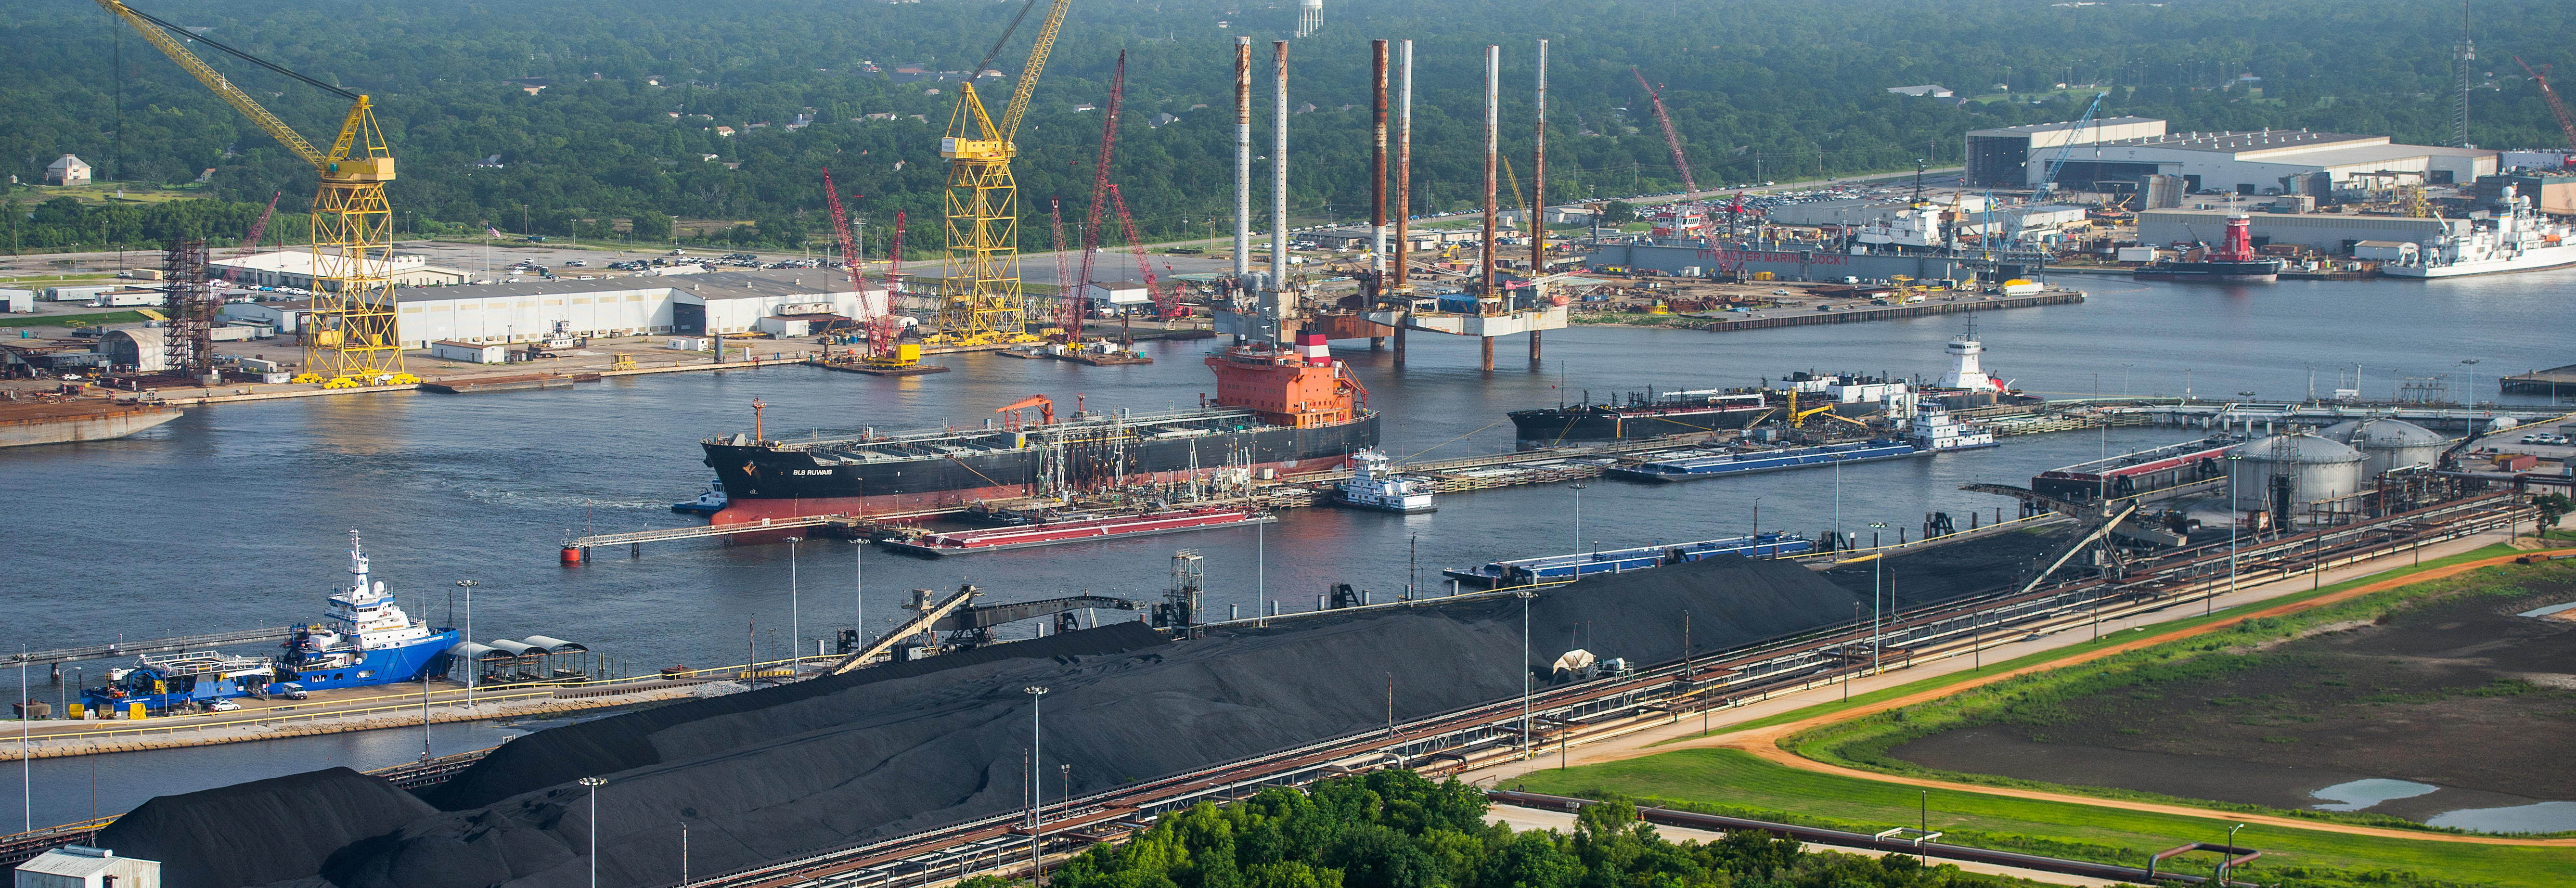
[[1277, 410], [2233, 263]]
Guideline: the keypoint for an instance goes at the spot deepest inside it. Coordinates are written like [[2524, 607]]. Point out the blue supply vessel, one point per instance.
[[1721, 464], [363, 639], [1553, 568]]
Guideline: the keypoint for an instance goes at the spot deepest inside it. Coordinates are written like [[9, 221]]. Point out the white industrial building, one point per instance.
[[81, 866], [297, 268], [1851, 212], [1117, 293], [2119, 152], [692, 305]]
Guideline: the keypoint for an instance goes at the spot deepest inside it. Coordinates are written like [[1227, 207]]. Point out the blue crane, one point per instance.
[[2048, 183]]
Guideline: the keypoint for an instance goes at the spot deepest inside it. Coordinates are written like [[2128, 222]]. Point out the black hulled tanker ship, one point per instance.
[[1642, 415], [1278, 409]]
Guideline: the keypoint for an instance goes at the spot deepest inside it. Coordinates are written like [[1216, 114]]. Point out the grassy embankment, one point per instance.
[[1728, 781], [107, 317]]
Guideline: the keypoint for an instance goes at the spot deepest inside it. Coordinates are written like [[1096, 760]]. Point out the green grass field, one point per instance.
[[106, 317], [1735, 782]]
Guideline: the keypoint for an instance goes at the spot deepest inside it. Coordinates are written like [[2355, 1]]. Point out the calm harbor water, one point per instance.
[[236, 515]]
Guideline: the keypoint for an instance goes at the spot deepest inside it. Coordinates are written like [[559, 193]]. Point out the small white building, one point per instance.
[[789, 326], [470, 352], [81, 866], [17, 300], [1928, 90], [2400, 252], [284, 317], [1117, 293], [67, 170]]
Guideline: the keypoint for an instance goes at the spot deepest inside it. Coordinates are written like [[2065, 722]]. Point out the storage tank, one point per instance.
[[2388, 443], [2316, 467]]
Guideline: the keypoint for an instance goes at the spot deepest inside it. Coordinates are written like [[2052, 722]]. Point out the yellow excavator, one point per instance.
[[353, 342], [1798, 418]]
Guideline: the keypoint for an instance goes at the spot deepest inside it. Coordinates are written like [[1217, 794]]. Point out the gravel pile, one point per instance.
[[770, 773], [1941, 573], [261, 832]]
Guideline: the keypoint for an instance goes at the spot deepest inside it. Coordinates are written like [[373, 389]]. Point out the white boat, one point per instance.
[[1935, 430], [1373, 485], [2518, 239]]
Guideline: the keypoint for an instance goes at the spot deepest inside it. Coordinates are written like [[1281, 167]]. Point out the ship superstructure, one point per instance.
[[364, 638], [2517, 239]]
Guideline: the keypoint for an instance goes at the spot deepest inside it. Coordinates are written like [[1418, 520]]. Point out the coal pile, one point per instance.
[[1933, 575], [773, 773], [230, 836]]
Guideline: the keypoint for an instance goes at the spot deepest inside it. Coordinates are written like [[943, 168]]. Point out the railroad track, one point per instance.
[[1505, 730]]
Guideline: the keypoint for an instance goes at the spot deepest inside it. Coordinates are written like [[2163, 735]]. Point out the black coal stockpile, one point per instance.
[[768, 774], [1922, 577], [261, 832]]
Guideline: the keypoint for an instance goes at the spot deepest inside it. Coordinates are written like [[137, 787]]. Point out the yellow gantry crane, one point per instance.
[[981, 301], [350, 338]]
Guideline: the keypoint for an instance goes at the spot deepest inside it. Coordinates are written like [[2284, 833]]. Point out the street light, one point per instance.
[[859, 589], [1525, 595], [2226, 856], [1877, 569], [2469, 386], [795, 632], [470, 667], [594, 783], [1578, 516], [1037, 766]]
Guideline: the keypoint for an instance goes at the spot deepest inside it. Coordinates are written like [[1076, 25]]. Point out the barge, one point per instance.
[[1079, 529], [1550, 568], [1721, 464]]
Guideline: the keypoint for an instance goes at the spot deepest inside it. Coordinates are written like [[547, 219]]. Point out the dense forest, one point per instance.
[[1394, 829], [624, 133]]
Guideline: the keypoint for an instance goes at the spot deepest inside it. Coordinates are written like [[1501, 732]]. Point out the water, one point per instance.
[[2537, 818], [2359, 794], [235, 515]]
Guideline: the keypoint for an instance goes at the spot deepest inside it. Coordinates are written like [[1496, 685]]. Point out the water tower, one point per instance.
[[1310, 17]]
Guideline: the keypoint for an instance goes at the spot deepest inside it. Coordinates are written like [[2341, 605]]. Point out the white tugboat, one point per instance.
[[1374, 485], [1935, 430]]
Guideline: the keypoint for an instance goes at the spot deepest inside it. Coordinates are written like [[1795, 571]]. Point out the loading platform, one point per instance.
[[59, 656]]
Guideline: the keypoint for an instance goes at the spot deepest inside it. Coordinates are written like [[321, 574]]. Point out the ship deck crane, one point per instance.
[[981, 300], [353, 340]]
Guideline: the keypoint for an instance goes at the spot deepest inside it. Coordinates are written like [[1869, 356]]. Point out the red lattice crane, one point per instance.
[[872, 319], [2566, 123], [1063, 259], [1163, 303], [250, 242], [1672, 139], [1074, 307]]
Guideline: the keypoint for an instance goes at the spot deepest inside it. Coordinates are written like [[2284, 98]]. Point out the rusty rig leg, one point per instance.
[[1399, 346], [1489, 352], [1534, 348]]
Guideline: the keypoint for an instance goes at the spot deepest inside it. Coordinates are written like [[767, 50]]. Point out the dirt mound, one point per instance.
[[1958, 570], [763, 775], [262, 831]]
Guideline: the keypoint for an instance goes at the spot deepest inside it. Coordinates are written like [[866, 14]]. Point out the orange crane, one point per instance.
[[1671, 138], [250, 242], [1075, 308], [1163, 302], [881, 327], [1065, 291], [2566, 123]]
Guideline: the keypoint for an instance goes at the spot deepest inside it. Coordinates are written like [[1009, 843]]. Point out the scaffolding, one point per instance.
[[190, 345]]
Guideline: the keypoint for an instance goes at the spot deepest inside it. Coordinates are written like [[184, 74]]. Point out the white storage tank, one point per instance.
[[2318, 468], [2388, 444]]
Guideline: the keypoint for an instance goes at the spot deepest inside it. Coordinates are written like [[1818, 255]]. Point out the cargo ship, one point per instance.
[[1278, 409], [364, 639], [2233, 262], [1552, 568], [2517, 240]]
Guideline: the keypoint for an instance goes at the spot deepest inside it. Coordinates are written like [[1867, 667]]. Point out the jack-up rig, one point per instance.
[[981, 302]]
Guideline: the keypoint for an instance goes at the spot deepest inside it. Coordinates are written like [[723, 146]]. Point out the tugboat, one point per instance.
[[2234, 262], [1935, 431], [1373, 485], [707, 503]]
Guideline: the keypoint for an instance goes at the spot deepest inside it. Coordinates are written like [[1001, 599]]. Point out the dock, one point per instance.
[[2541, 382], [57, 657], [511, 383], [1890, 312]]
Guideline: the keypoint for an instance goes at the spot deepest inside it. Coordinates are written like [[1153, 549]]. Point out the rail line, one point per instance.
[[1489, 733]]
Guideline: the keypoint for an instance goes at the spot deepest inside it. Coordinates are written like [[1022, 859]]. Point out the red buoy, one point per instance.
[[571, 555]]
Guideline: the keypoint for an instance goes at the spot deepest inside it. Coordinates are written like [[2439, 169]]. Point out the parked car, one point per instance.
[[222, 706], [291, 691]]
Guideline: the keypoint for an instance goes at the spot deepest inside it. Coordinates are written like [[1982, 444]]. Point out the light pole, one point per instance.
[[26, 760], [2226, 856], [2235, 517], [1757, 525], [594, 783], [1578, 516], [1525, 595], [1877, 569], [795, 632], [1037, 766], [684, 854], [2469, 387], [470, 667], [859, 590]]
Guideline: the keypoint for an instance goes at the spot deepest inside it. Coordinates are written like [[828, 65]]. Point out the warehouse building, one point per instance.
[[296, 268], [692, 305], [2331, 233], [2002, 157]]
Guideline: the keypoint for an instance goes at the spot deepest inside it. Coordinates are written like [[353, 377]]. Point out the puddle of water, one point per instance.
[[2546, 611], [2542, 817], [2360, 794]]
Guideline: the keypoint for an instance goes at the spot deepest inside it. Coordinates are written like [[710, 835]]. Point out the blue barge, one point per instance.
[[1553, 568], [1715, 465]]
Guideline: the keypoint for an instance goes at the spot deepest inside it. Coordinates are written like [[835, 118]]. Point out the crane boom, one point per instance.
[[1028, 82], [1144, 265], [250, 241], [1099, 192], [2048, 182], [1671, 139], [157, 32], [2566, 122]]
